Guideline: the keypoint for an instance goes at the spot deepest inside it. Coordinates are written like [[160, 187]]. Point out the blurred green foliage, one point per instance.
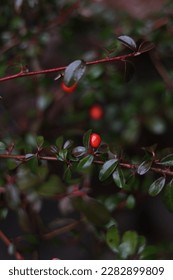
[[59, 203]]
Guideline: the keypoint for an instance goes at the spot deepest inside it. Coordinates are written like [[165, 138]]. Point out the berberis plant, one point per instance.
[[64, 177]]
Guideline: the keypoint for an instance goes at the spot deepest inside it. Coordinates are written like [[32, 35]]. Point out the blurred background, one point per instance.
[[136, 99]]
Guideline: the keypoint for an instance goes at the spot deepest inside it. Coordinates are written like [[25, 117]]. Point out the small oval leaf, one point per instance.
[[85, 162], [168, 160], [118, 178], [129, 244], [79, 151], [128, 42], [68, 144], [113, 238], [168, 196], [157, 186], [86, 138], [107, 169], [74, 72], [144, 167]]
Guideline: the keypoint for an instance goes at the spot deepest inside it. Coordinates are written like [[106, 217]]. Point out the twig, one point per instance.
[[59, 69], [126, 165], [7, 242], [60, 230]]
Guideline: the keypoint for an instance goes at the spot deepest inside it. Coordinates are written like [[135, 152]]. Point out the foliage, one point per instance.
[[55, 186]]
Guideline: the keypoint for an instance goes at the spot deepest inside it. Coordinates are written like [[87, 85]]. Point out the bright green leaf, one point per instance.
[[157, 186], [113, 238], [107, 169], [129, 244]]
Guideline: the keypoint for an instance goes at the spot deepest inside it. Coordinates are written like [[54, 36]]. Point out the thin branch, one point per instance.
[[7, 242], [61, 230], [59, 69], [23, 158]]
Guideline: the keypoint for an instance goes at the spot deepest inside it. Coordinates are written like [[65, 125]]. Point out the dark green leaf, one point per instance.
[[79, 151], [130, 202], [62, 155], [67, 175], [107, 169], [85, 162], [113, 238], [74, 72], [68, 144], [86, 138], [118, 178], [95, 212], [157, 186], [168, 160], [59, 142], [12, 196], [129, 244], [2, 146], [40, 141], [168, 196], [144, 167], [128, 42], [51, 187]]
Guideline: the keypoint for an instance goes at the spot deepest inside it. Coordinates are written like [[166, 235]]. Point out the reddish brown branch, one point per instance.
[[7, 242], [23, 158], [59, 69]]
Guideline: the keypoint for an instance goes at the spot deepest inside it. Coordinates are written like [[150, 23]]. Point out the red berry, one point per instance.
[[95, 140], [96, 112], [68, 89]]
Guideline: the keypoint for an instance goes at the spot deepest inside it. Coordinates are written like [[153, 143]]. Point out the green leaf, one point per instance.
[[79, 151], [144, 167], [95, 212], [51, 187], [129, 244], [168, 160], [62, 156], [118, 178], [40, 141], [157, 186], [74, 72], [2, 146], [130, 202], [107, 169], [86, 138], [85, 162], [59, 142], [12, 196], [67, 175], [113, 238], [128, 42], [168, 196], [68, 144]]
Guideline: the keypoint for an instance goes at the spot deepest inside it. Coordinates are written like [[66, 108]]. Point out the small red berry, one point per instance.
[[96, 112], [95, 140], [68, 89]]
